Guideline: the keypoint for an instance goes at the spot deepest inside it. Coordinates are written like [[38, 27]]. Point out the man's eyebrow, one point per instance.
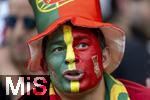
[[56, 42], [81, 37]]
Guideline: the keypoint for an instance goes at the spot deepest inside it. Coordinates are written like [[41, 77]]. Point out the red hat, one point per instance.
[[50, 14]]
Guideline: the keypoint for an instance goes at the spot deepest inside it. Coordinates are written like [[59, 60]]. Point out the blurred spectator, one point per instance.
[[20, 26], [134, 17]]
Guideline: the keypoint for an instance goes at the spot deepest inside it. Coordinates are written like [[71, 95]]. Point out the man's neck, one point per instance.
[[98, 93]]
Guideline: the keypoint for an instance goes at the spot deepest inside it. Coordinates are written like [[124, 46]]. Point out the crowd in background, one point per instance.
[[133, 16]]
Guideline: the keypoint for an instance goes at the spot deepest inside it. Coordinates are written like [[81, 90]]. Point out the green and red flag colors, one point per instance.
[[48, 11], [50, 14], [74, 58]]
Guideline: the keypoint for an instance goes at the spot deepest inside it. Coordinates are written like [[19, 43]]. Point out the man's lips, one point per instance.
[[73, 75]]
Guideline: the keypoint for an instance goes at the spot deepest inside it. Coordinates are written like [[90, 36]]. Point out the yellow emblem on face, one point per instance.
[[50, 5]]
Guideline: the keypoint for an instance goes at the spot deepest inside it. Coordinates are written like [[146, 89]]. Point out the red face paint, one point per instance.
[[88, 56]]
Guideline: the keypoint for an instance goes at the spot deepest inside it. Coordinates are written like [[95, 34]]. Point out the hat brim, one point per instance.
[[114, 36]]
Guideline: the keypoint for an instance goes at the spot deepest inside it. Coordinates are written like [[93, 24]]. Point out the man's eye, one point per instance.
[[82, 46], [58, 50]]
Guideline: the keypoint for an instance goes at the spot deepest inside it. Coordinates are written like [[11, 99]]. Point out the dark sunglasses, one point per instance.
[[28, 22]]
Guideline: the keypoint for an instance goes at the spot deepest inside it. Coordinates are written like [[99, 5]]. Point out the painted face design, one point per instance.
[[74, 59]]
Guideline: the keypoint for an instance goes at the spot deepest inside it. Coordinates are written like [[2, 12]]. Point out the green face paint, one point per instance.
[[55, 58]]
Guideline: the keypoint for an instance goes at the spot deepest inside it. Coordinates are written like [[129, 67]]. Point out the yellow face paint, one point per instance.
[[51, 90], [70, 56]]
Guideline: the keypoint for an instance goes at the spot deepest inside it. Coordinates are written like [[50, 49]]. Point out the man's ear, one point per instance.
[[106, 57]]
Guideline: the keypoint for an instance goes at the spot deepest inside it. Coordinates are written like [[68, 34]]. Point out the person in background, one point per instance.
[[20, 26], [134, 17]]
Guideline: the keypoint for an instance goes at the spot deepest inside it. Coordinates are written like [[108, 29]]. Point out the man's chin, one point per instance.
[[20, 59], [72, 94]]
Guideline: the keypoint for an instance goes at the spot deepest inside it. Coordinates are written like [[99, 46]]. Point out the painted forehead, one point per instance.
[[77, 33], [56, 36]]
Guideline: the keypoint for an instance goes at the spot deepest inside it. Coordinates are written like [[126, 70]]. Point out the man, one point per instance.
[[79, 52], [20, 26]]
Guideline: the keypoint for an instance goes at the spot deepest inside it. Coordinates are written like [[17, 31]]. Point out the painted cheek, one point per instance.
[[91, 70], [55, 69], [97, 58], [90, 61]]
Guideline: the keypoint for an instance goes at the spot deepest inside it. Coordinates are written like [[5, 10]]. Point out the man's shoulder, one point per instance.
[[136, 91]]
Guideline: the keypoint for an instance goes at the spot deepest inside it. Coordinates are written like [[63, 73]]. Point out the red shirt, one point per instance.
[[136, 91]]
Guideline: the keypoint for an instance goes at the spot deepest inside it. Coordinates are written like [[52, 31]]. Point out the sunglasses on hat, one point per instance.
[[28, 22]]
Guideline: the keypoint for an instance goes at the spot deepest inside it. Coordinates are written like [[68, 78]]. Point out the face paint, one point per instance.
[[74, 59], [86, 46], [55, 54], [70, 57], [96, 66]]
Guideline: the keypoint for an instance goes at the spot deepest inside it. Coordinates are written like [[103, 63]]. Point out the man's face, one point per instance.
[[20, 27], [74, 59]]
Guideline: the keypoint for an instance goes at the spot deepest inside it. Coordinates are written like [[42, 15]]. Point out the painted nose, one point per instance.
[[70, 60]]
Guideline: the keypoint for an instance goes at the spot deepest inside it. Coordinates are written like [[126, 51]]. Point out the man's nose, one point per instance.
[[19, 28], [71, 60]]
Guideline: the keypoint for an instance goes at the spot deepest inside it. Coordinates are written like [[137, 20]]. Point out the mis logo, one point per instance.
[[50, 5]]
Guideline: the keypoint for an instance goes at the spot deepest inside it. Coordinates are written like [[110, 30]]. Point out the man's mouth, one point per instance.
[[73, 75]]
